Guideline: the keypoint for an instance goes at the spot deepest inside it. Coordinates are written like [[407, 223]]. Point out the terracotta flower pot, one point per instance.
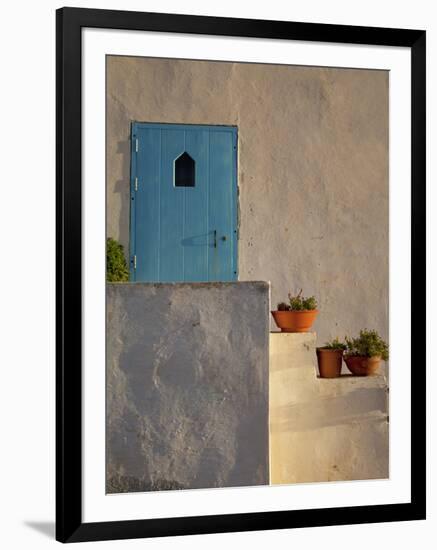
[[362, 366], [295, 321], [329, 361]]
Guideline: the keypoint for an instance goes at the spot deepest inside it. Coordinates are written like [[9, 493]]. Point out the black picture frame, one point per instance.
[[69, 23]]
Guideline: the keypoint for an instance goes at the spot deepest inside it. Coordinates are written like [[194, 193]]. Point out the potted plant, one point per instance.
[[364, 353], [329, 358], [297, 315]]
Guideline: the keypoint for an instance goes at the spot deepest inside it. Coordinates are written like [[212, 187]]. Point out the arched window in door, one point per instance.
[[184, 171]]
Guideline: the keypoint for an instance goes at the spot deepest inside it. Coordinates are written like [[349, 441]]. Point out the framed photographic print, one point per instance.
[[240, 258]]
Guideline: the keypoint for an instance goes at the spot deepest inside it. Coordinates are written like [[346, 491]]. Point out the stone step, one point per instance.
[[323, 429]]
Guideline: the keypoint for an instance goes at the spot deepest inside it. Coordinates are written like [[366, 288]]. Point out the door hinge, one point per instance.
[[136, 184], [136, 145], [134, 261]]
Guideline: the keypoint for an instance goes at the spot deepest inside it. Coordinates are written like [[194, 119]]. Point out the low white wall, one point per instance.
[[323, 429], [187, 385]]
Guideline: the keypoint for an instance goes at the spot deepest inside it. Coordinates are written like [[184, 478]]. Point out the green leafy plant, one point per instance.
[[335, 344], [116, 267], [300, 303], [367, 344]]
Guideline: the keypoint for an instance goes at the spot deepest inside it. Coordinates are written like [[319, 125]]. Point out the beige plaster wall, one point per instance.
[[312, 171], [323, 429]]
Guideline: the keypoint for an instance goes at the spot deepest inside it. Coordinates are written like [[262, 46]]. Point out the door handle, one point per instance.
[[223, 238]]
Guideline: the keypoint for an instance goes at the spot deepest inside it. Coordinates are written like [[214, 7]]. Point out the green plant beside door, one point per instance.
[[116, 266]]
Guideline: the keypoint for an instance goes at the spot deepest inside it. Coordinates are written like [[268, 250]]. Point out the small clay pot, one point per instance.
[[329, 361], [362, 366], [295, 321]]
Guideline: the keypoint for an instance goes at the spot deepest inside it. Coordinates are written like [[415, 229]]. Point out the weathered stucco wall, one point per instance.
[[187, 385], [312, 171], [323, 429]]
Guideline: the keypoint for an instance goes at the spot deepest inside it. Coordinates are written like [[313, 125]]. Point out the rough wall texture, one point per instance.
[[312, 171], [323, 429], [187, 385]]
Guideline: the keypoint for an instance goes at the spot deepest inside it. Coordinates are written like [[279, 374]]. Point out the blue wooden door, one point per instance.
[[183, 203]]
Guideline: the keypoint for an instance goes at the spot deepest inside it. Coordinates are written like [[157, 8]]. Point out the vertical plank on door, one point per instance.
[[144, 201], [196, 238], [171, 209], [221, 154]]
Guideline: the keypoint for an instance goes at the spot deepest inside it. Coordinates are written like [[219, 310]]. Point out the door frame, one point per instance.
[[235, 214]]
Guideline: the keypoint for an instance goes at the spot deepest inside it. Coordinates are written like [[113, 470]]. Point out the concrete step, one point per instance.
[[323, 429]]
